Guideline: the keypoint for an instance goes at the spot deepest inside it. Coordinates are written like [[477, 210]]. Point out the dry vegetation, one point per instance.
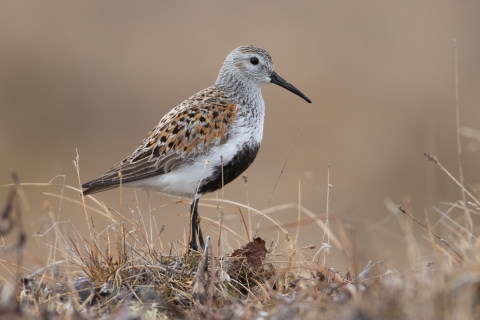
[[126, 272]]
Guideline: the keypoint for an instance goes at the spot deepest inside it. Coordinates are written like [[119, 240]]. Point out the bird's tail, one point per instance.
[[93, 190]]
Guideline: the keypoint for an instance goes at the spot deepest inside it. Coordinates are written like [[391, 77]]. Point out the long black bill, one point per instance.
[[275, 78]]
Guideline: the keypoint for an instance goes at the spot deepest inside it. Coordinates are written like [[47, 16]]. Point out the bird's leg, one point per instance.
[[194, 216], [200, 236], [196, 227]]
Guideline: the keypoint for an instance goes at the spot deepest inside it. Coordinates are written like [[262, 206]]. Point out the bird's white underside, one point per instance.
[[184, 181]]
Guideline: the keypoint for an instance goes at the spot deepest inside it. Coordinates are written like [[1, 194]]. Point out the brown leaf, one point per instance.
[[254, 252]]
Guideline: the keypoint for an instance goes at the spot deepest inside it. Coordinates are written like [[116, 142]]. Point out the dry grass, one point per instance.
[[125, 271]]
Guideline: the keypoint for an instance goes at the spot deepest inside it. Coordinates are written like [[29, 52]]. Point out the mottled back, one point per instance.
[[190, 129]]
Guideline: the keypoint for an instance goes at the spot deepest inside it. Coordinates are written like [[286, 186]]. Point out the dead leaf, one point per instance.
[[254, 252]]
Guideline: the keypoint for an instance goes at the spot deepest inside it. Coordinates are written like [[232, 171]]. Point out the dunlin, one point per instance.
[[205, 142]]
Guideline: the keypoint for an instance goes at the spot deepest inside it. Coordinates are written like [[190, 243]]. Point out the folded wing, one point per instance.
[[187, 131]]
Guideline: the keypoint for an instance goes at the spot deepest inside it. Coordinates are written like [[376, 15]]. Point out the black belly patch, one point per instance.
[[231, 170]]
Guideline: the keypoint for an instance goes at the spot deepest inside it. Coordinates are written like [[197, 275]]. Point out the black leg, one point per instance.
[[194, 216], [198, 229], [200, 236], [195, 227]]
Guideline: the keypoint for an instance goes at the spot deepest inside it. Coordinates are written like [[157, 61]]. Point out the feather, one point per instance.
[[191, 129]]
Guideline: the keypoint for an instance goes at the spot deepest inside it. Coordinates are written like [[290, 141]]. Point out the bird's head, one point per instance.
[[253, 65]]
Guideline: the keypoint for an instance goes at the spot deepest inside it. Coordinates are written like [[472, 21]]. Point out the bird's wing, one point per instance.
[[191, 129]]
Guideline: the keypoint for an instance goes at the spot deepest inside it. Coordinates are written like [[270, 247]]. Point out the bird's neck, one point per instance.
[[241, 91]]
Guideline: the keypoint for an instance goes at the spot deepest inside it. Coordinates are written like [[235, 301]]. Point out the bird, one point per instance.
[[205, 142]]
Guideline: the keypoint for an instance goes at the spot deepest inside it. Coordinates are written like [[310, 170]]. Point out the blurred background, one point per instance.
[[97, 77]]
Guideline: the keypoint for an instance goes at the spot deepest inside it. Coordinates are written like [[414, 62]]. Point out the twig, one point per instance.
[[326, 231], [247, 234], [468, 218], [436, 235], [299, 210], [245, 181], [212, 278], [76, 162], [120, 177], [199, 282], [445, 215], [220, 224], [279, 176], [431, 157], [59, 209]]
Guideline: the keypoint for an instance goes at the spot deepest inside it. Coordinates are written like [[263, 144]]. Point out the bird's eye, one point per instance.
[[254, 61]]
